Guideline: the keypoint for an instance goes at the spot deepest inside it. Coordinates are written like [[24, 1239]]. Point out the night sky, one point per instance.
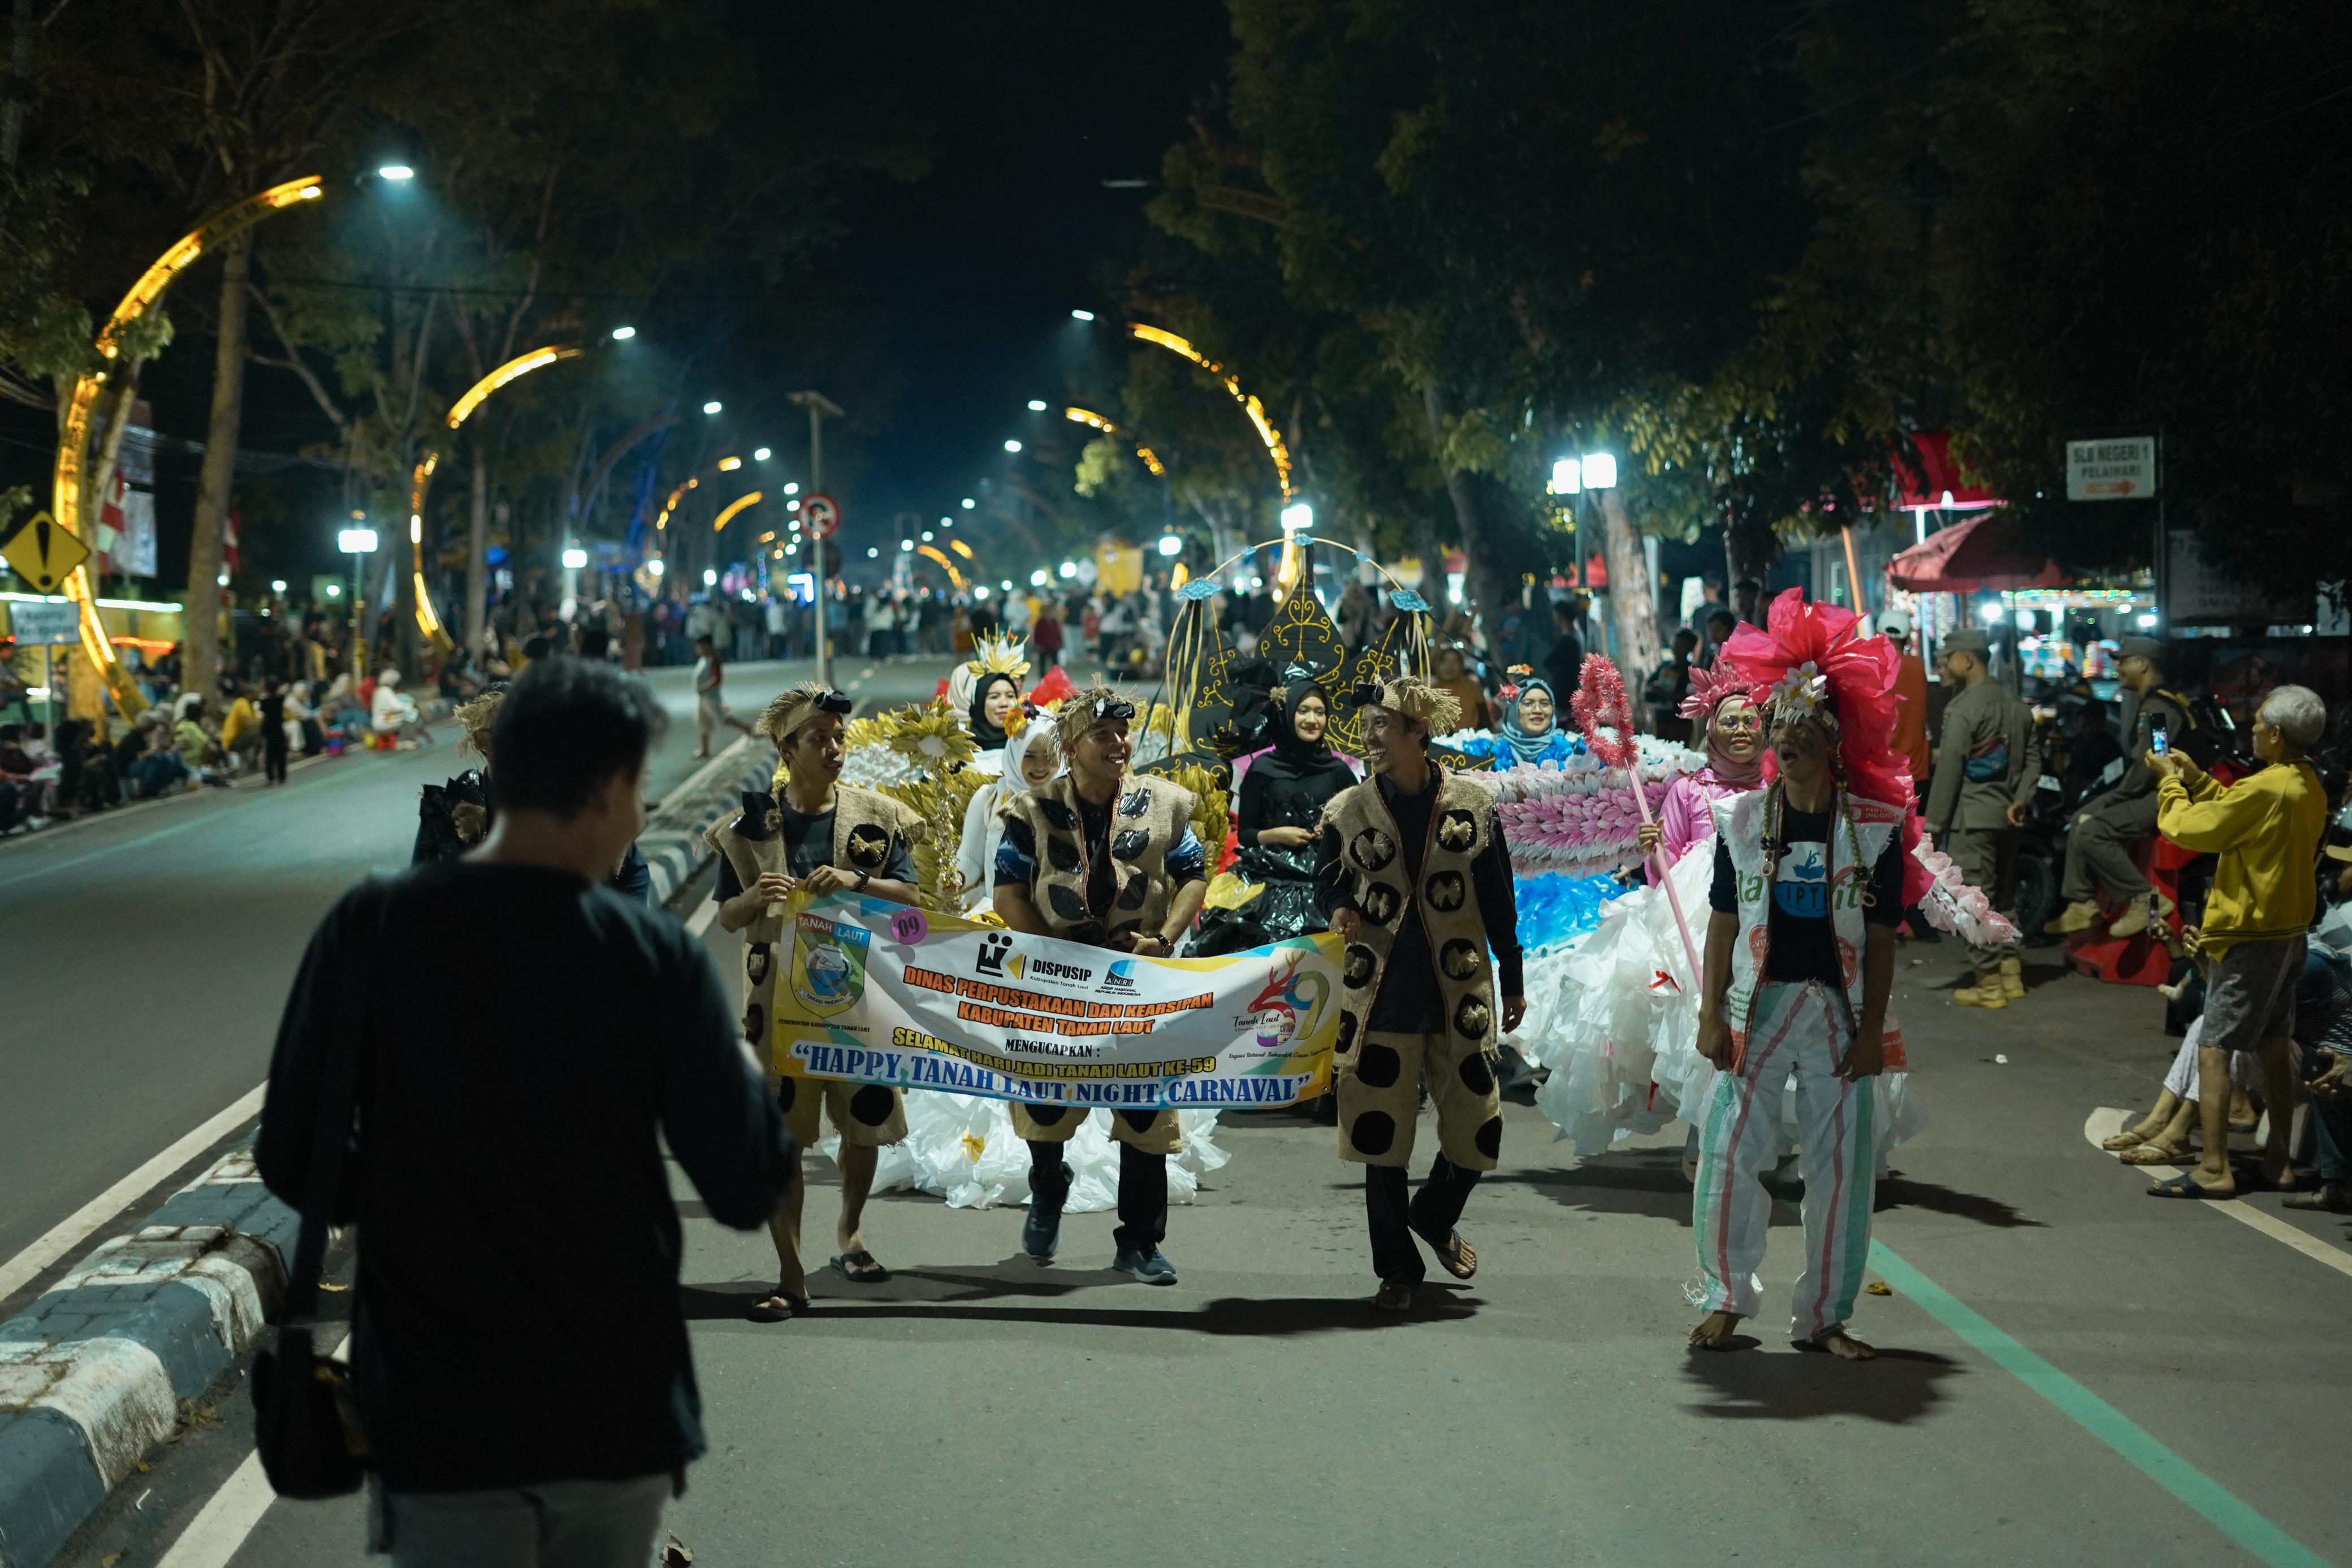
[[980, 263]]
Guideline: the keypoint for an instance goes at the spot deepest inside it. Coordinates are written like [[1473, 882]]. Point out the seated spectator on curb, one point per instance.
[[511, 1112], [2323, 1040], [2266, 830], [241, 730]]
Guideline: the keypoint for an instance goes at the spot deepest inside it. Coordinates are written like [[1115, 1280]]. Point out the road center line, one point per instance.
[[91, 1216], [2106, 1121], [2221, 1507]]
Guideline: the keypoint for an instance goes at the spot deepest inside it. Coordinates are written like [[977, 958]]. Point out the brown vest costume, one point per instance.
[[1148, 818], [1460, 825], [865, 826]]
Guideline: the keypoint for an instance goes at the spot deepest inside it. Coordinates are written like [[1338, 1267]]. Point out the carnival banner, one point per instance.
[[877, 992]]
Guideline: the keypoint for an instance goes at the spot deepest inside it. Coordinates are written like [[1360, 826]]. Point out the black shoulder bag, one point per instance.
[[308, 1432]]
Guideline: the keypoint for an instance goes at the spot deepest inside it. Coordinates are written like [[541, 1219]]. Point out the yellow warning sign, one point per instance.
[[44, 554]]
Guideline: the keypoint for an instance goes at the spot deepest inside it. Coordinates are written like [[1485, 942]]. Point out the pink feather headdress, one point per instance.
[[1813, 655], [1710, 687]]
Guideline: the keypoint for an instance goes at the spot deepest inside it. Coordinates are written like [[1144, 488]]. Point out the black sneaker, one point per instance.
[[1395, 1296], [1041, 1232], [1145, 1264]]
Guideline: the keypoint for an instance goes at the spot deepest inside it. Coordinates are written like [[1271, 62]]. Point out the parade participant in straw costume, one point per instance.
[[819, 835], [1417, 879], [1108, 858]]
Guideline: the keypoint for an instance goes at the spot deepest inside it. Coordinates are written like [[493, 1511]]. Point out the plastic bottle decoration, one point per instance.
[[1607, 720]]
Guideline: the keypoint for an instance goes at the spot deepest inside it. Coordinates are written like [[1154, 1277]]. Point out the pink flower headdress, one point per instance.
[[1710, 687]]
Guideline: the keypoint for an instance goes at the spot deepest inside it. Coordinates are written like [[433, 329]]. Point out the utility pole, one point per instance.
[[820, 409]]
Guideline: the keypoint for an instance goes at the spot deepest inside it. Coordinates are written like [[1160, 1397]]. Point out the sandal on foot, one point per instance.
[[1455, 1256], [2122, 1141], [859, 1267], [2330, 1198], [2185, 1185], [1396, 1298], [2152, 1155], [767, 1311]]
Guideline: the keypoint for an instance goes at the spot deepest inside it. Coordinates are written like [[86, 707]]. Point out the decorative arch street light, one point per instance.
[[73, 442], [1275, 446]]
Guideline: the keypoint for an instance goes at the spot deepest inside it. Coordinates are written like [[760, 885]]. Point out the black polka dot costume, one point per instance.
[[1380, 1072]]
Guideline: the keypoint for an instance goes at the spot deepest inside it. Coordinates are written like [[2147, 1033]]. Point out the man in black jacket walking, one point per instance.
[[529, 1032]]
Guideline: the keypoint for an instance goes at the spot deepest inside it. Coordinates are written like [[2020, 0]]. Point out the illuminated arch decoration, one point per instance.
[[421, 482], [1266, 432], [933, 552], [73, 442], [1086, 416], [739, 503]]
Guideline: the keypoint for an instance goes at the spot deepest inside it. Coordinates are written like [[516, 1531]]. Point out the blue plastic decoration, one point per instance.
[[1406, 598]]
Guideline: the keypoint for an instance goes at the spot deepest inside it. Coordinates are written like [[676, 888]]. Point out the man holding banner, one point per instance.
[[1417, 880], [1108, 859], [818, 836]]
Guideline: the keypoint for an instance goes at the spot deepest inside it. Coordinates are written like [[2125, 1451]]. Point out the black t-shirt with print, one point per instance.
[[1804, 943]]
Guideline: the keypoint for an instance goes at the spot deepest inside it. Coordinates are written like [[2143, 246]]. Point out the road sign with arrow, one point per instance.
[[44, 554]]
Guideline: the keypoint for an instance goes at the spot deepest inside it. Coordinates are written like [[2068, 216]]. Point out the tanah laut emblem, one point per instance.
[[828, 965]]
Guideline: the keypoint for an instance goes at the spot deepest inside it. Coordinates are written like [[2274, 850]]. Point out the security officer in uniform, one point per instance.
[[1986, 767], [2106, 832]]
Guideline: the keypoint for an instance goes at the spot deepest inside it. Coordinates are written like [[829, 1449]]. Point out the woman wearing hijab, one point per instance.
[[1730, 728], [1282, 798], [994, 697], [1031, 758], [1530, 732]]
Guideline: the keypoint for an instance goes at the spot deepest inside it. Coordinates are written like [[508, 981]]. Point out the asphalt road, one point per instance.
[[2072, 1374], [145, 953]]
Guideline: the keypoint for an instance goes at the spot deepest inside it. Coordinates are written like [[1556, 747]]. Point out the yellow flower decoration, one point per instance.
[[931, 738]]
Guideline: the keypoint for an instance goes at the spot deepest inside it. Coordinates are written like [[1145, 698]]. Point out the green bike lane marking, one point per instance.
[[2220, 1508]]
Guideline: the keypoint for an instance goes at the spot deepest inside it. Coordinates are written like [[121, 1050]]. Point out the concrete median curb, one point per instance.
[[92, 1375], [672, 841]]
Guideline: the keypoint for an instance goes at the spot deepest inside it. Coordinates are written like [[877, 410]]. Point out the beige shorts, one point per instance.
[[1152, 1132], [869, 1115], [1380, 1100]]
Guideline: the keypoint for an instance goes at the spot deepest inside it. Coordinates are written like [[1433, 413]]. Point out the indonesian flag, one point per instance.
[[110, 521]]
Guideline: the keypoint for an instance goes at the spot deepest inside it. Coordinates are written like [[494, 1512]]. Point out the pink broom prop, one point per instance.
[[1607, 720]]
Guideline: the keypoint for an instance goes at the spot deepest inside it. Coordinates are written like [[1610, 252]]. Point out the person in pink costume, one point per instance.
[[1731, 730]]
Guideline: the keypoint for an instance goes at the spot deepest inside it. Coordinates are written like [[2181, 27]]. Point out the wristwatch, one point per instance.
[[863, 878]]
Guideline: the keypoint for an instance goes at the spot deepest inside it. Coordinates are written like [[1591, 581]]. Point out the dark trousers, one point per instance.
[[273, 754], [1143, 1192], [1434, 1211]]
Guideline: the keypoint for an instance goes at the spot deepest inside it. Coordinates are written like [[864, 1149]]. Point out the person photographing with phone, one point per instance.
[[2266, 830], [817, 835], [2104, 840]]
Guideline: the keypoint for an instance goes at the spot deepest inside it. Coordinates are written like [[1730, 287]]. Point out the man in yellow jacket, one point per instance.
[[2266, 830]]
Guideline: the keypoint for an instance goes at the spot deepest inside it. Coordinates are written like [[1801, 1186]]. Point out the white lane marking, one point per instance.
[[229, 1516], [91, 1216], [699, 921], [2106, 1121]]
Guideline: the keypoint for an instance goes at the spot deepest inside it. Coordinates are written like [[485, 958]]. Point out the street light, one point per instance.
[[1567, 477], [277, 585], [792, 487], [355, 543], [1297, 519], [1012, 446], [1036, 405], [872, 553], [653, 567], [927, 536], [713, 406], [1082, 315], [1599, 470], [395, 171], [710, 577], [967, 503], [760, 455], [905, 545], [575, 558], [622, 334], [1068, 568], [1170, 545], [1037, 578]]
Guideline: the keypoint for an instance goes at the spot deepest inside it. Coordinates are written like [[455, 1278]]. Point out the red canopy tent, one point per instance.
[[1979, 556]]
